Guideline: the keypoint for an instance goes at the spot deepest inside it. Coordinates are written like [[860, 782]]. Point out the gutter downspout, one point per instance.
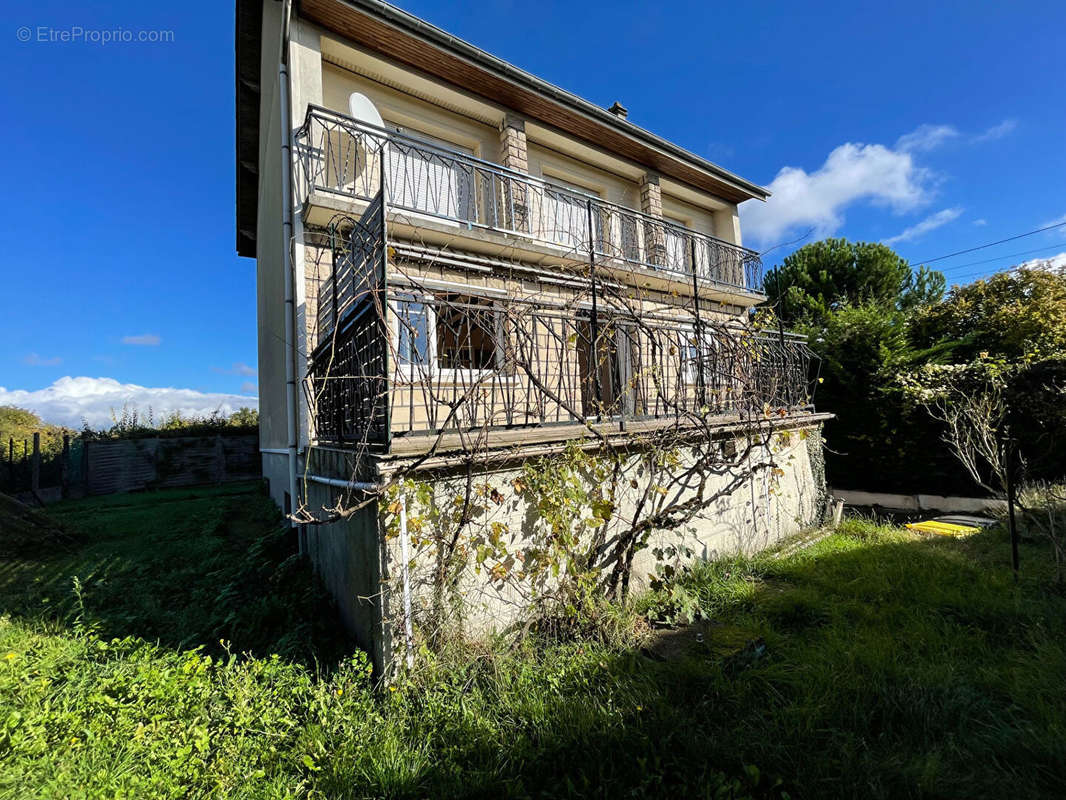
[[289, 277], [405, 553]]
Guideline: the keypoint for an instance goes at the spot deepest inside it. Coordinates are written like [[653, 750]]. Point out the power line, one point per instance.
[[990, 244], [1007, 255]]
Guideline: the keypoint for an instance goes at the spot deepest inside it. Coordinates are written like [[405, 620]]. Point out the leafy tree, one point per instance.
[[1014, 315], [245, 418], [825, 276], [20, 425]]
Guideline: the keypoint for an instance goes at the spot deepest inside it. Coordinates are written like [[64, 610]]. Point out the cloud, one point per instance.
[[35, 360], [142, 339], [851, 174], [980, 223], [930, 223], [1004, 128], [248, 387], [925, 138], [1053, 264], [69, 400], [239, 368]]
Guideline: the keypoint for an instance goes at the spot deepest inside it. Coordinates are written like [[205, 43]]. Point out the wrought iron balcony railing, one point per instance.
[[448, 362], [338, 155]]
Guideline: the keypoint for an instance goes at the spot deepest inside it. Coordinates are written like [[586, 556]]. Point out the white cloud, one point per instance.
[[851, 174], [930, 223], [980, 223], [1007, 126], [239, 368], [249, 387], [35, 360], [925, 138], [69, 400], [1056, 221], [1053, 264], [142, 339]]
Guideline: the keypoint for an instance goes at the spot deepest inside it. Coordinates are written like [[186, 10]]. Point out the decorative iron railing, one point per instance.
[[336, 154], [399, 357]]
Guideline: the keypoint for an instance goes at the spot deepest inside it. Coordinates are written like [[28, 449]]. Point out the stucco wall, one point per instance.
[[270, 284], [762, 509]]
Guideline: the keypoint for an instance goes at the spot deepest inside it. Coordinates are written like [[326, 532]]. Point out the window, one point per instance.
[[447, 333], [428, 174], [413, 346], [678, 255], [564, 214]]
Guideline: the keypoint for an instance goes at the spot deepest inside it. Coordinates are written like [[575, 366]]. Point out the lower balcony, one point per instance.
[[412, 370], [430, 191]]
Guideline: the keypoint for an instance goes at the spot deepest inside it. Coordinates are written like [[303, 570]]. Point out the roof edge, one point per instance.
[[435, 36]]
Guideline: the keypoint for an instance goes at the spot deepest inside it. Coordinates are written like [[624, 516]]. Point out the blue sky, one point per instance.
[[945, 120]]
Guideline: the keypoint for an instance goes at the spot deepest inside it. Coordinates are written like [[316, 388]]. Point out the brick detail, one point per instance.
[[651, 203], [514, 155], [513, 151], [318, 264]]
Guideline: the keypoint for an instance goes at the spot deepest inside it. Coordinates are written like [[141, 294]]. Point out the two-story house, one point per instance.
[[462, 268]]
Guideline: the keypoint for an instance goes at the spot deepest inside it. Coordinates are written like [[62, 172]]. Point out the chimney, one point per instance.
[[619, 110]]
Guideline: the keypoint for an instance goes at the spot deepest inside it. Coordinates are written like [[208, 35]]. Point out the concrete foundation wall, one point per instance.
[[276, 473], [754, 511]]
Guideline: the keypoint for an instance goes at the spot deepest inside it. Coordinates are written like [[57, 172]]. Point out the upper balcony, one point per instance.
[[436, 194]]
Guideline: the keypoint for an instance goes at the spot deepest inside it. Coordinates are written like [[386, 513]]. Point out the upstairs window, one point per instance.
[[429, 175]]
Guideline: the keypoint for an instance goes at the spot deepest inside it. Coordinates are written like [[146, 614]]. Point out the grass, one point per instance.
[[874, 663]]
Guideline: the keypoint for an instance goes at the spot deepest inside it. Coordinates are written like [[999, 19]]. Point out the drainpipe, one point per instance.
[[289, 278], [405, 553]]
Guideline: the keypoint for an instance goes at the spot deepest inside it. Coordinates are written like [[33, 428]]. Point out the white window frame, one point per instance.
[[412, 373]]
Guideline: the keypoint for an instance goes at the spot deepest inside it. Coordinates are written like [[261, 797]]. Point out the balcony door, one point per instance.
[[678, 253], [614, 362], [429, 175]]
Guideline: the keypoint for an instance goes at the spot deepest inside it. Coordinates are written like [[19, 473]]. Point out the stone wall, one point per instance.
[[360, 559]]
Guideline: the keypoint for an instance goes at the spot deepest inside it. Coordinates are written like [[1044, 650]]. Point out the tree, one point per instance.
[[852, 300], [826, 276], [245, 417], [971, 401], [20, 424], [1015, 315]]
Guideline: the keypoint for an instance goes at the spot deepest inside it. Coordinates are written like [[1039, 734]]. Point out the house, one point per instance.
[[469, 281]]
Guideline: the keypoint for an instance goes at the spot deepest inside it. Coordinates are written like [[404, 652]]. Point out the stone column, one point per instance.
[[512, 194], [651, 203]]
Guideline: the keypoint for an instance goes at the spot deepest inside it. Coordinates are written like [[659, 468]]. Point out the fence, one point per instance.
[[87, 467]]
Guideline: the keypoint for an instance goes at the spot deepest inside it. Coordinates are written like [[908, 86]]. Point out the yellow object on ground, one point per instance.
[[941, 528]]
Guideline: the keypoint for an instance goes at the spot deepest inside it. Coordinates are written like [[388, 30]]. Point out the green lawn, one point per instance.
[[872, 664]]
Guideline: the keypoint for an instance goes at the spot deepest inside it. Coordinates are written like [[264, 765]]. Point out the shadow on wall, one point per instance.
[[185, 567]]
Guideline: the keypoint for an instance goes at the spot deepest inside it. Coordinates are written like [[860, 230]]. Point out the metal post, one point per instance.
[[595, 319], [1008, 457], [701, 386], [35, 479], [383, 387], [64, 466], [333, 271]]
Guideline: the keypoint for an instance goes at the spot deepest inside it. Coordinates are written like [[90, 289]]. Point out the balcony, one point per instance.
[[341, 166], [403, 366]]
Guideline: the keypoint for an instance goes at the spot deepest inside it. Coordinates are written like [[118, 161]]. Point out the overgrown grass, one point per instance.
[[873, 664]]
